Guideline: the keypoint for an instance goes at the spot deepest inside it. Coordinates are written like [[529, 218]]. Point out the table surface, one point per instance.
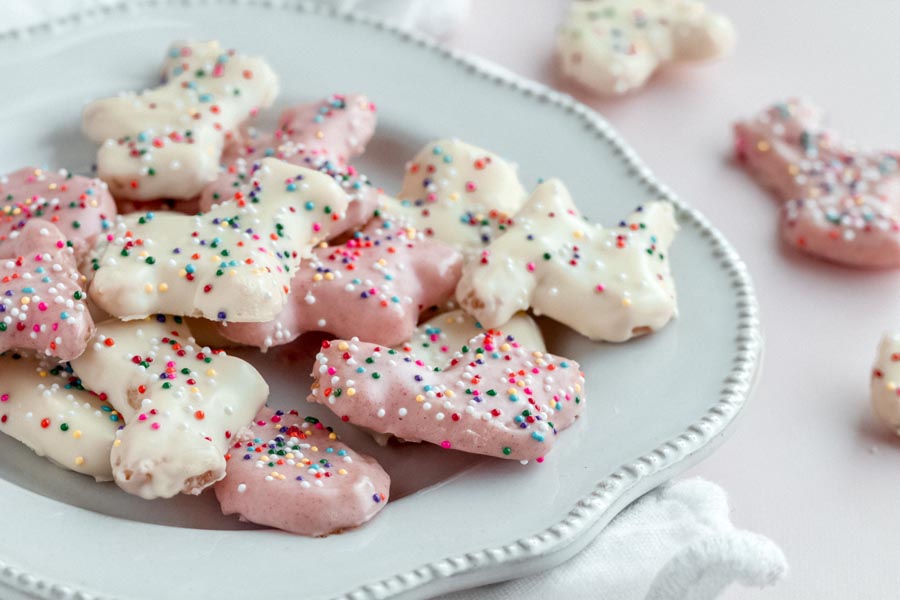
[[807, 465]]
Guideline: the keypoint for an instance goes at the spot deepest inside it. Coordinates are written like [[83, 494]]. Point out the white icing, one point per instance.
[[885, 386], [44, 409], [614, 46], [177, 264], [178, 129], [606, 283], [176, 437], [461, 194]]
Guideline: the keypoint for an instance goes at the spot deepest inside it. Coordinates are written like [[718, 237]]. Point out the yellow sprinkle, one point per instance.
[[511, 391], [319, 135], [43, 373], [891, 386], [332, 436], [79, 460], [626, 302], [520, 383], [577, 387], [76, 434], [578, 234], [195, 390], [454, 196], [317, 277], [479, 356], [342, 471], [762, 146], [148, 288], [232, 273], [343, 346], [182, 273], [164, 287], [117, 443], [52, 186], [211, 373], [26, 300], [382, 262], [793, 169], [315, 448], [289, 456], [329, 276], [410, 233], [351, 391], [450, 393], [537, 354], [323, 244], [420, 398], [504, 347]]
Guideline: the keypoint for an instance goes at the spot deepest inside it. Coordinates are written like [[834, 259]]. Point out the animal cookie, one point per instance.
[[322, 136], [374, 287], [182, 403], [495, 397], [45, 407], [41, 299], [166, 142], [233, 263], [460, 194], [885, 386], [436, 341], [614, 46], [841, 203], [605, 283], [292, 473], [80, 207]]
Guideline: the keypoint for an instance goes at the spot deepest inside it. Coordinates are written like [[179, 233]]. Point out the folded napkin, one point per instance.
[[675, 543]]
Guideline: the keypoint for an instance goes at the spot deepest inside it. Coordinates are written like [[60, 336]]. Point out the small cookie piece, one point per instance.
[[293, 473], [374, 287], [323, 136], [436, 341], [458, 193], [80, 207], [842, 203], [41, 299], [614, 46], [233, 263], [166, 142], [45, 407], [605, 283], [182, 403], [494, 398]]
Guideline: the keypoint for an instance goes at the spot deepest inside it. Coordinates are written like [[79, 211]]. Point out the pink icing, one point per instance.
[[292, 473]]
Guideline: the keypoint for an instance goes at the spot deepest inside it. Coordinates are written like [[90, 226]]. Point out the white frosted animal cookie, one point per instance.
[[614, 46], [885, 387], [608, 284], [182, 403], [436, 341], [458, 193], [166, 142], [44, 406], [232, 263]]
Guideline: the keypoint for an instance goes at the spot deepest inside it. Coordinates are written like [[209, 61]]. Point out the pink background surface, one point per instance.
[[807, 464]]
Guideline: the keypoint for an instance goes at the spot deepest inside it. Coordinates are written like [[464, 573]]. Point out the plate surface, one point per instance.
[[655, 405]]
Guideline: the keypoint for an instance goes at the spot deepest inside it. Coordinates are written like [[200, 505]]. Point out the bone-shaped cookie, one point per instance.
[[459, 194], [885, 382], [233, 263], [605, 283], [495, 397], [80, 207], [373, 287], [841, 203], [436, 341], [614, 46], [293, 473], [166, 142], [321, 135], [44, 406], [182, 403], [41, 297]]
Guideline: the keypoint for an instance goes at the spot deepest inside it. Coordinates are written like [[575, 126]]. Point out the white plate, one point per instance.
[[655, 405]]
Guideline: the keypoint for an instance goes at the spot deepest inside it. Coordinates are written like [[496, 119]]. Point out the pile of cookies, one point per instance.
[[202, 232]]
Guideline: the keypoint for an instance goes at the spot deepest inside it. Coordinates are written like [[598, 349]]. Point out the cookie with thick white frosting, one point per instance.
[[841, 202], [293, 473], [232, 263], [80, 207], [614, 46], [495, 397], [167, 142], [374, 286], [459, 194], [605, 283], [182, 403], [885, 383], [42, 301], [44, 406], [436, 341]]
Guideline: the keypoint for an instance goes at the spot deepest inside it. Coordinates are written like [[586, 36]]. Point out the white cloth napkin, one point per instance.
[[674, 543]]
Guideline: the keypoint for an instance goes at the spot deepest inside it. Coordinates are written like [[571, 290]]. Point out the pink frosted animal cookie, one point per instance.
[[323, 136], [80, 207], [374, 287], [614, 46], [494, 397], [41, 299], [182, 403], [605, 283], [292, 473], [841, 203], [166, 142], [44, 406], [459, 194], [232, 263]]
